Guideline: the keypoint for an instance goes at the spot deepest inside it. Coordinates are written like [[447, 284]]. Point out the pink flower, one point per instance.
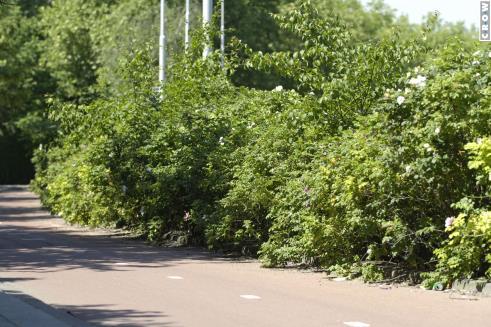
[[449, 221]]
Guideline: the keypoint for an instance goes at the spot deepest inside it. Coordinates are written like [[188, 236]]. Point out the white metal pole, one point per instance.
[[162, 58], [207, 13], [222, 32], [186, 28]]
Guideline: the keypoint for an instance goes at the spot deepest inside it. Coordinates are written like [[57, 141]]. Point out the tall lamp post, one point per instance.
[[162, 59], [207, 14], [186, 27], [222, 32]]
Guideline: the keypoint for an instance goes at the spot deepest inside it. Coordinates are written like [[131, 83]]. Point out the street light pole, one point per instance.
[[162, 42], [222, 32], [186, 28], [207, 14]]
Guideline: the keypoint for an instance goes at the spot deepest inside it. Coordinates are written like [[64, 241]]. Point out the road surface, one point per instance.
[[103, 279]]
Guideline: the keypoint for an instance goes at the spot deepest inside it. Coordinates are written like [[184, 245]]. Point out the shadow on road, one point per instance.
[[13, 188], [33, 240], [99, 314], [14, 198], [46, 250], [23, 214], [16, 279], [94, 314]]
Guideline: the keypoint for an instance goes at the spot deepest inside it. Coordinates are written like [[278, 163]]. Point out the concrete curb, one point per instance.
[[475, 287], [17, 309]]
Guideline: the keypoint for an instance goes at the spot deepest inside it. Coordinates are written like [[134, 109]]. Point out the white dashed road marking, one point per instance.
[[121, 264], [175, 277], [250, 297], [356, 324]]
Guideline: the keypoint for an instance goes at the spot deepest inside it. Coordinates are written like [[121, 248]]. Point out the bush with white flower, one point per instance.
[[366, 159], [418, 81], [390, 183]]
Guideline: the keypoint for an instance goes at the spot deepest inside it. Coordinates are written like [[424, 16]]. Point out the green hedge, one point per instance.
[[361, 162]]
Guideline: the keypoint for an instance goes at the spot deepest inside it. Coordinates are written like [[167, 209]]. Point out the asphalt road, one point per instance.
[[104, 279]]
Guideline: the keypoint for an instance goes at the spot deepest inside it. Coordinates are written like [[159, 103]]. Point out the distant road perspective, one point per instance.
[[104, 279]]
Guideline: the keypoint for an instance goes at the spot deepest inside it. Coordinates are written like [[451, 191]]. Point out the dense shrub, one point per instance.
[[141, 162], [467, 251], [335, 82], [359, 162], [383, 190]]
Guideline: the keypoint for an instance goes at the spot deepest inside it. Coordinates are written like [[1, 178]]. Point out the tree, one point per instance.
[[22, 85]]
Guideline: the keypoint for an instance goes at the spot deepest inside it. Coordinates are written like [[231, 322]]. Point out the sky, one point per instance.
[[450, 10]]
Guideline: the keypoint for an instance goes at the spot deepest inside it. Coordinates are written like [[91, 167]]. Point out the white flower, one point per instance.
[[489, 54], [148, 170], [251, 125], [477, 75], [437, 130], [400, 99], [426, 146], [479, 141], [477, 53], [279, 88], [407, 91], [419, 81], [408, 169], [221, 141], [475, 62]]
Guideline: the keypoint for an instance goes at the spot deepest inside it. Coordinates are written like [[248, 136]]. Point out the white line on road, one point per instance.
[[356, 324], [250, 297], [121, 264], [175, 277]]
